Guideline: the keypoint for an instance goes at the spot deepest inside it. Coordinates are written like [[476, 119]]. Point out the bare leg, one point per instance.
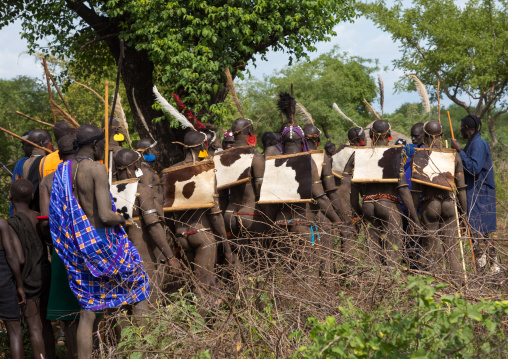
[[373, 235], [85, 331], [431, 218], [33, 319], [71, 329], [205, 250], [391, 221], [15, 338], [325, 242], [47, 329]]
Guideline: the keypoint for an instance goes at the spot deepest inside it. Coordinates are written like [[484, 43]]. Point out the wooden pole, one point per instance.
[[438, 103], [49, 87], [35, 120], [48, 74], [27, 141], [451, 127], [106, 130], [460, 240]]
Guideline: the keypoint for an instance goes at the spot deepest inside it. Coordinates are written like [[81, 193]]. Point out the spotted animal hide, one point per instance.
[[190, 186], [340, 160], [319, 158], [434, 167], [377, 164], [287, 179], [124, 195], [233, 166]]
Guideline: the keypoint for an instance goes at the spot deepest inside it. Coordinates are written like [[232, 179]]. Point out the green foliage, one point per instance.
[[332, 77], [434, 327], [459, 44], [189, 43]]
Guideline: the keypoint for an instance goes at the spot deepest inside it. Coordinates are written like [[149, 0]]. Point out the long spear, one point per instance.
[[106, 129], [27, 141], [457, 214], [35, 120], [5, 168]]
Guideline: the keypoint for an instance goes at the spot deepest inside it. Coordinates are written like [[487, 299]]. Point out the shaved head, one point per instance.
[[417, 134], [242, 125], [61, 129], [40, 137], [433, 128], [126, 157], [143, 144], [194, 138]]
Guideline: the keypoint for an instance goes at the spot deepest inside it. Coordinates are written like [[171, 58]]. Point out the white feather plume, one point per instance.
[[304, 114], [120, 114], [422, 91], [336, 108], [166, 106], [141, 116]]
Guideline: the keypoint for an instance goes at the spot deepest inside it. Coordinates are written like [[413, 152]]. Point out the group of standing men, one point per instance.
[[62, 201]]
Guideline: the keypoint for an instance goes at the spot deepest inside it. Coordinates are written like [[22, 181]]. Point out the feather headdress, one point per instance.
[[168, 108], [304, 114], [381, 93], [422, 91], [371, 109], [287, 105], [143, 121], [231, 88], [336, 108], [120, 115]]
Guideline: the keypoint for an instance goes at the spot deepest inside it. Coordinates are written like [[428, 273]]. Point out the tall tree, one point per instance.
[[182, 46], [463, 46], [331, 77]]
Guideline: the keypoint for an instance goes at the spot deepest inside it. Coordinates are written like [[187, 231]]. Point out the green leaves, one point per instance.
[[427, 330]]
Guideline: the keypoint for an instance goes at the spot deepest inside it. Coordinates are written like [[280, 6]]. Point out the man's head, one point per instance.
[[67, 147], [41, 137], [270, 139], [293, 140], [147, 148], [195, 142], [380, 132], [330, 148], [21, 191], [61, 129], [469, 126], [127, 162], [228, 141], [356, 136], [433, 132], [417, 134], [242, 126], [312, 135], [91, 137], [213, 140]]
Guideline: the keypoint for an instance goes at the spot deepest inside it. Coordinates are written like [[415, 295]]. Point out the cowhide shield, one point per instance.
[[340, 160], [319, 159], [287, 179], [232, 166], [190, 186], [434, 167], [124, 196], [377, 164]]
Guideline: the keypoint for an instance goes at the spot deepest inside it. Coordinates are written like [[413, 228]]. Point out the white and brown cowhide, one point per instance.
[[377, 164], [319, 159], [340, 160], [434, 167], [233, 166], [287, 179], [124, 195], [190, 186]]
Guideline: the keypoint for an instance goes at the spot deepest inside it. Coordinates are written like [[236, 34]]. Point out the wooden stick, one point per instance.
[[35, 120], [49, 86], [106, 129], [451, 127], [438, 103], [460, 241], [27, 141], [56, 87]]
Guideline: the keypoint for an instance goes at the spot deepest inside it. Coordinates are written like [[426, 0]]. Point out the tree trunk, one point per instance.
[[137, 72], [491, 121]]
